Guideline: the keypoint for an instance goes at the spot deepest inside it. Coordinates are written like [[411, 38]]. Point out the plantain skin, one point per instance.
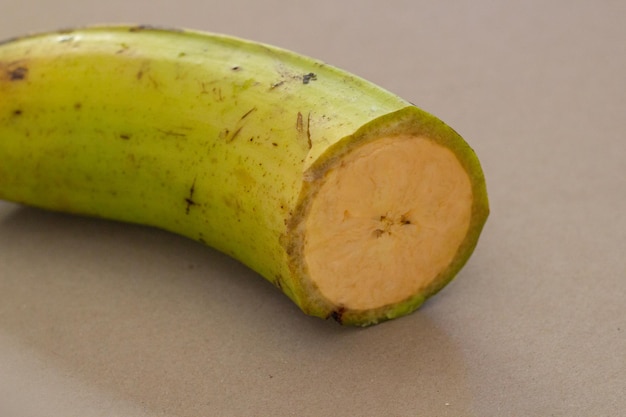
[[212, 137]]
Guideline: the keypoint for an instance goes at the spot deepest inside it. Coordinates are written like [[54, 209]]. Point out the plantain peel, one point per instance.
[[352, 201]]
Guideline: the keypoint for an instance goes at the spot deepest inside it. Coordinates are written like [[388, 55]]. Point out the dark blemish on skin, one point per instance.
[[278, 282], [308, 131], [274, 144], [143, 28], [337, 315], [17, 112], [125, 137], [236, 68], [225, 132], [235, 134], [189, 199], [248, 113], [172, 133], [218, 94], [299, 123], [143, 74], [18, 73], [306, 78], [124, 48], [301, 129], [276, 85], [78, 106]]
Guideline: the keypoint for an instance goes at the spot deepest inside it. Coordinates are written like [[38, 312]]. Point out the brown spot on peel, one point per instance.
[[302, 130], [248, 113], [13, 71], [337, 315], [189, 199], [306, 78], [278, 282], [308, 130], [172, 133], [299, 123], [238, 127], [277, 84], [235, 134], [18, 73], [144, 28]]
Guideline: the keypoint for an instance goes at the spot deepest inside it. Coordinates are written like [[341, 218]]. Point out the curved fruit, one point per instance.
[[352, 201]]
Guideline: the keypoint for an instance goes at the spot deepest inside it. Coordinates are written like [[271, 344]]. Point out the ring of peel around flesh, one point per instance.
[[391, 218]]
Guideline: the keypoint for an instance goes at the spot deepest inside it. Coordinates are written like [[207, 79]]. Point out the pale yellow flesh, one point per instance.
[[387, 221]]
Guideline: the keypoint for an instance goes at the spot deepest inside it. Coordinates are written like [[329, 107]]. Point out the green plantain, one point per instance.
[[352, 201]]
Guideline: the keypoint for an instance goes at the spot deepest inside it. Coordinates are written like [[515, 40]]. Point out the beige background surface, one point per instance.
[[106, 319]]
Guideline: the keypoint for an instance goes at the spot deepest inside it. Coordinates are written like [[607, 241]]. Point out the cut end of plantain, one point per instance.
[[391, 221], [386, 222]]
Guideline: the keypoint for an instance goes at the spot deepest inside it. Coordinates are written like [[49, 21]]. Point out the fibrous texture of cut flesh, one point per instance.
[[387, 220]]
